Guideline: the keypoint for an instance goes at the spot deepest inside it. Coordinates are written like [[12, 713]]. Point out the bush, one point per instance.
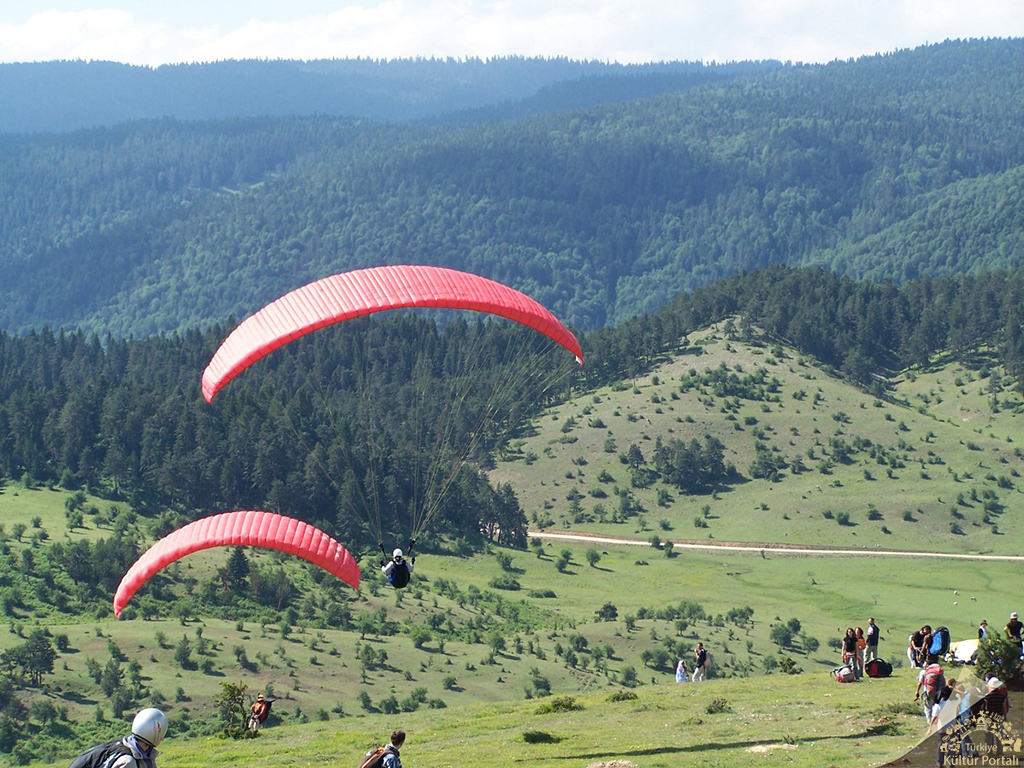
[[1000, 656], [559, 704], [623, 696], [505, 581], [540, 737], [717, 706]]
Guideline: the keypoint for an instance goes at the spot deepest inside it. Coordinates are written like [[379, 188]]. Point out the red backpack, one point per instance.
[[933, 679]]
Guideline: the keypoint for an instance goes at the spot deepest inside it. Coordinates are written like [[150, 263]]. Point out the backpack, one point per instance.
[[940, 642], [878, 668], [98, 756], [709, 661], [933, 679], [844, 674], [263, 713], [374, 758], [399, 575]]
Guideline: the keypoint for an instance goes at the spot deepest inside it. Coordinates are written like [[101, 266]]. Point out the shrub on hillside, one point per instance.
[[1000, 656]]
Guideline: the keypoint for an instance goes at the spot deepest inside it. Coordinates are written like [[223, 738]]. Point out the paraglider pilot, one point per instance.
[[397, 569]]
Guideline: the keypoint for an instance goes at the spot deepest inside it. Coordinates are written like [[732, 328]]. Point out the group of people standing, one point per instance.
[[701, 664], [861, 646]]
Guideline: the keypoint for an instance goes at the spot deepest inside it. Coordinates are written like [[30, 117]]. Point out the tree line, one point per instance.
[[347, 415]]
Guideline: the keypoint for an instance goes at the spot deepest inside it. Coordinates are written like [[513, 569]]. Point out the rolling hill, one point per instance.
[[476, 632]]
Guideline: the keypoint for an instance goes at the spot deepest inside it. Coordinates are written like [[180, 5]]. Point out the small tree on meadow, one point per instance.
[[233, 707]]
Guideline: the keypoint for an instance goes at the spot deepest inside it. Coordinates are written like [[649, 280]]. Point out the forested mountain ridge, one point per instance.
[[889, 166], [61, 96]]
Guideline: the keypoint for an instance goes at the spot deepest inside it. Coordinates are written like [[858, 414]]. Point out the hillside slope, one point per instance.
[[934, 467]]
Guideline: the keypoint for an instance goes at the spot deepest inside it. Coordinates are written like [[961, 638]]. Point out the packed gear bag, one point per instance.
[[878, 668], [844, 674], [940, 642], [933, 679], [97, 756], [374, 758]]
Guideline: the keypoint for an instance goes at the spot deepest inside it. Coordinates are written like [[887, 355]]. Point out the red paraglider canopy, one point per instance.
[[365, 291], [240, 529]]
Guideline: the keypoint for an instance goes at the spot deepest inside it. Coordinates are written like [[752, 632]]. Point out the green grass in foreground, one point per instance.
[[806, 720]]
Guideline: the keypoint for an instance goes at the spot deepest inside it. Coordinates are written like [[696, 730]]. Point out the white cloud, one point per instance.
[[620, 30]]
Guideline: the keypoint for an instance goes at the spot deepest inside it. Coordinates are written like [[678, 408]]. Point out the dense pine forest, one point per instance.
[[124, 419], [890, 167]]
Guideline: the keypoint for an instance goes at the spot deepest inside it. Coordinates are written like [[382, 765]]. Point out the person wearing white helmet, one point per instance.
[[137, 750], [398, 569]]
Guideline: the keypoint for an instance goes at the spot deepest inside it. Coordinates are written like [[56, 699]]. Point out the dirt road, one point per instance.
[[775, 549]]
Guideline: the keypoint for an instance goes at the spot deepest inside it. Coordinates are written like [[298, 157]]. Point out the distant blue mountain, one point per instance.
[[62, 96]]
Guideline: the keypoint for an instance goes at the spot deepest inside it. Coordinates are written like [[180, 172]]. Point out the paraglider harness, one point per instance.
[[100, 755], [397, 571], [260, 712]]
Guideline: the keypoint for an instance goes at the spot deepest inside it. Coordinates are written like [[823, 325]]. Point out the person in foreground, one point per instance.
[[137, 750], [386, 756], [391, 757]]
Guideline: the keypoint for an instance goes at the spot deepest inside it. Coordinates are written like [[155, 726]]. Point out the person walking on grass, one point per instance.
[[700, 660], [1015, 630], [862, 645], [681, 671], [872, 635], [386, 756]]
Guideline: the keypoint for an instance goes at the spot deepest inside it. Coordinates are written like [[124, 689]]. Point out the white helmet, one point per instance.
[[151, 725], [397, 554]]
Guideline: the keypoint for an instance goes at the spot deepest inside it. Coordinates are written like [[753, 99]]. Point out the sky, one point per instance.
[[155, 32]]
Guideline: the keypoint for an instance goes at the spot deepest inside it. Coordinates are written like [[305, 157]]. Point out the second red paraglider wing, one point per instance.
[[362, 292], [240, 529]]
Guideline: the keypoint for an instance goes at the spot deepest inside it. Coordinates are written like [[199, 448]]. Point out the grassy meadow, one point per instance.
[[502, 658], [778, 720], [931, 467]]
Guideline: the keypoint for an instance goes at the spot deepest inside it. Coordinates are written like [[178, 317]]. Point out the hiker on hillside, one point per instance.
[[700, 659], [920, 642], [137, 750], [997, 700], [862, 645], [1014, 629], [260, 712], [871, 636], [681, 671], [945, 694], [850, 650], [398, 569], [931, 680], [982, 631], [386, 756]]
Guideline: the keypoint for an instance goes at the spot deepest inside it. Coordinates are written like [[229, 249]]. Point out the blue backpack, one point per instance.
[[940, 642]]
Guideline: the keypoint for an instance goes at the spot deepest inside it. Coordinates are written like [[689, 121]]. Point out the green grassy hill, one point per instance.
[[466, 656], [797, 720], [933, 467]]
